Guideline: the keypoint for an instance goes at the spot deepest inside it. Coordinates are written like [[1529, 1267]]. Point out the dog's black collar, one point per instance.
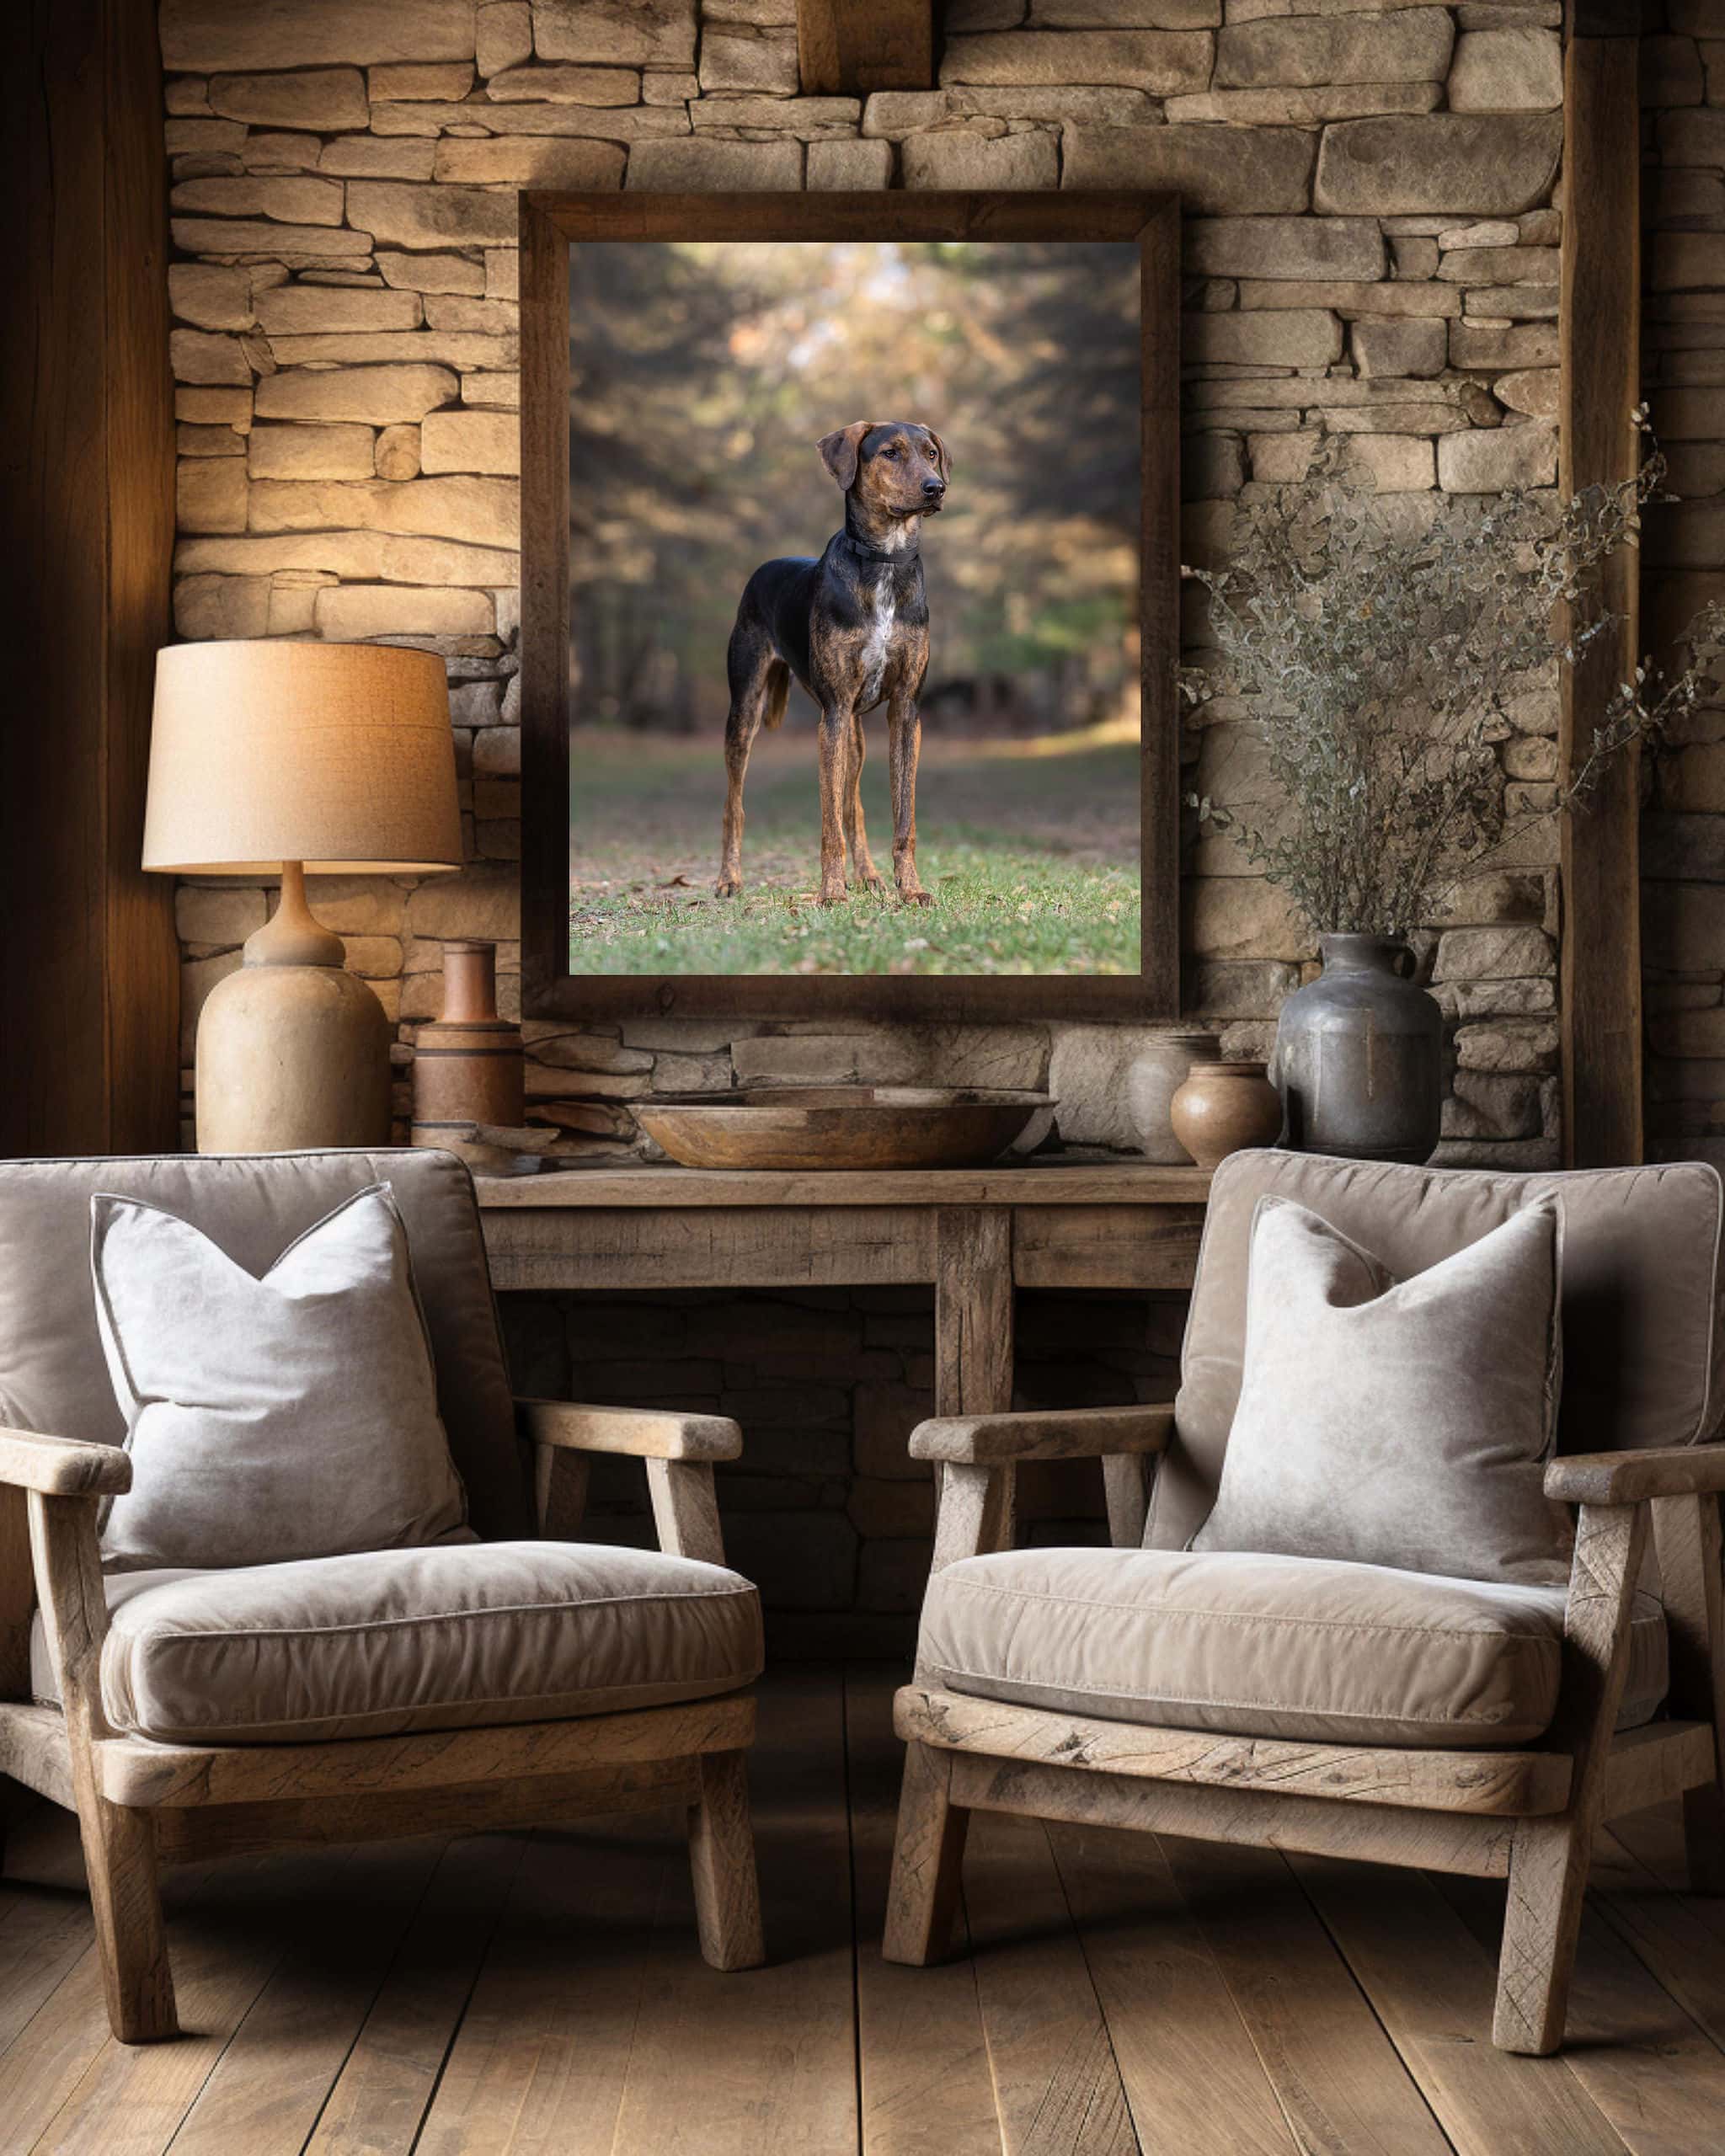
[[880, 553]]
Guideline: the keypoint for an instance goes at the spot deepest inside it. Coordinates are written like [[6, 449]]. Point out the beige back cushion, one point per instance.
[[1398, 1422], [1642, 1336], [53, 1375], [289, 1416]]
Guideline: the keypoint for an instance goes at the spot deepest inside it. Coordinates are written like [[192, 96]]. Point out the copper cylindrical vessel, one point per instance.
[[466, 1063]]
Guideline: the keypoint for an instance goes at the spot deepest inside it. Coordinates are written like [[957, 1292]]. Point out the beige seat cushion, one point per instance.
[[1254, 1645], [382, 1642]]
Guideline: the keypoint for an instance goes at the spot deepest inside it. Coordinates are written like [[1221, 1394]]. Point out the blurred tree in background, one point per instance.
[[702, 373]]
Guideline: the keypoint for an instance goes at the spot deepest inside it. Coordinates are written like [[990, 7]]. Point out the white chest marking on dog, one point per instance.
[[878, 640]]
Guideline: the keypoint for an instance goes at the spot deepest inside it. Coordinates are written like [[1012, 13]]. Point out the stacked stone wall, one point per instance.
[[1372, 236]]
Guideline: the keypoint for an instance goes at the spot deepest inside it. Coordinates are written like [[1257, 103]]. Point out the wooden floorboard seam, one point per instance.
[[1626, 1936], [85, 1952], [86, 1961], [291, 2047], [54, 1939], [111, 2059], [1288, 2008], [657, 1925], [1195, 2084], [1677, 1973], [1432, 1988], [377, 1990], [168, 2146], [447, 2053], [988, 2047], [847, 1737], [449, 2041], [1348, 1963], [107, 2045], [1050, 2055], [376, 2103], [1054, 1855]]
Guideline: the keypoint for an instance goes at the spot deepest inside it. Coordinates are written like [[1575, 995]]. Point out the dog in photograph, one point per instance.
[[853, 627]]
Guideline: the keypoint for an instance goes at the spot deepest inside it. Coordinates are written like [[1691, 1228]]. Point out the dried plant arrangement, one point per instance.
[[1378, 651]]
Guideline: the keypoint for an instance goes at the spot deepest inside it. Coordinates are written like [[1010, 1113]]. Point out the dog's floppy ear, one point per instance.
[[838, 452], [942, 460]]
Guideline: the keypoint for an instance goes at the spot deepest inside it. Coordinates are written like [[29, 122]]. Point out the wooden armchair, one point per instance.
[[1640, 1695], [662, 1728]]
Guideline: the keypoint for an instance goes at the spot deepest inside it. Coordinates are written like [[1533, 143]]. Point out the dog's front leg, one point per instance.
[[862, 865], [904, 740], [837, 723]]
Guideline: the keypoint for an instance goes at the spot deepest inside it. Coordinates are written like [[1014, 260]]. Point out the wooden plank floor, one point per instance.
[[541, 1995]]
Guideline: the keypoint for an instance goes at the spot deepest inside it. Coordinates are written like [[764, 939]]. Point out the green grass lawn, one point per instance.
[[1031, 849]]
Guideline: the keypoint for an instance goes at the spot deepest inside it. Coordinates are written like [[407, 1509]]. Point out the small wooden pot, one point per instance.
[[1223, 1107], [466, 1063]]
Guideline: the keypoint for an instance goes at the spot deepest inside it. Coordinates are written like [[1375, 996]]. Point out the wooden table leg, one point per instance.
[[972, 1331]]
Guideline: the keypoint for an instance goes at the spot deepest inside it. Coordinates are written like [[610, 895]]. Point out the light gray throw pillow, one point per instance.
[[1398, 1422], [293, 1415]]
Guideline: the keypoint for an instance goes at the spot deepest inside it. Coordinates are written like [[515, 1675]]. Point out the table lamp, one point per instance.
[[298, 758]]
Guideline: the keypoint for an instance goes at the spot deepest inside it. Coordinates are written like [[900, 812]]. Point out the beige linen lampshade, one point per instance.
[[337, 755], [282, 755]]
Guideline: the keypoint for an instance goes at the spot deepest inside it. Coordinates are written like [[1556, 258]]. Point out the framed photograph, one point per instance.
[[850, 604]]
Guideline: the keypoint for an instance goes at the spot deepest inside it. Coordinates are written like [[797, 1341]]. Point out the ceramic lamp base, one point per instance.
[[291, 1057]]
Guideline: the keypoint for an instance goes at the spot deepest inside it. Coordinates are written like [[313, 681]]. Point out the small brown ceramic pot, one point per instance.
[[1223, 1107], [467, 1064]]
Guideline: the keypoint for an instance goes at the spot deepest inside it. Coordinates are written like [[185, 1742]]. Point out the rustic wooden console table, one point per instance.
[[975, 1234]]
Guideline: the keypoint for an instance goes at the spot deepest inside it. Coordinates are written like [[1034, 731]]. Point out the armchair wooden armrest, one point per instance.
[[979, 1455], [1636, 1478], [679, 1451], [647, 1433], [1055, 1433], [62, 1467]]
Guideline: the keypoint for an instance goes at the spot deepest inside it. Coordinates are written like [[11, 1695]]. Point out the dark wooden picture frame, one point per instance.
[[549, 223]]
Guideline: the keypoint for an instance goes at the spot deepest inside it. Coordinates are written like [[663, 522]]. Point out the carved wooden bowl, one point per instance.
[[840, 1126]]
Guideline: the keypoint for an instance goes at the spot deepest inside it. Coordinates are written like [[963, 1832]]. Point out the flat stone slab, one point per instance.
[[216, 35], [1216, 171], [1412, 44], [1469, 164]]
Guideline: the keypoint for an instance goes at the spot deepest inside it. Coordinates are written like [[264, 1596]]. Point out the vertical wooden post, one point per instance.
[[560, 1479], [544, 594], [1159, 611], [686, 1509], [1548, 1859], [17, 1604], [1126, 1490], [972, 1333], [1686, 1537], [1599, 357], [90, 969], [928, 1857], [119, 1843], [973, 1310], [722, 1859]]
